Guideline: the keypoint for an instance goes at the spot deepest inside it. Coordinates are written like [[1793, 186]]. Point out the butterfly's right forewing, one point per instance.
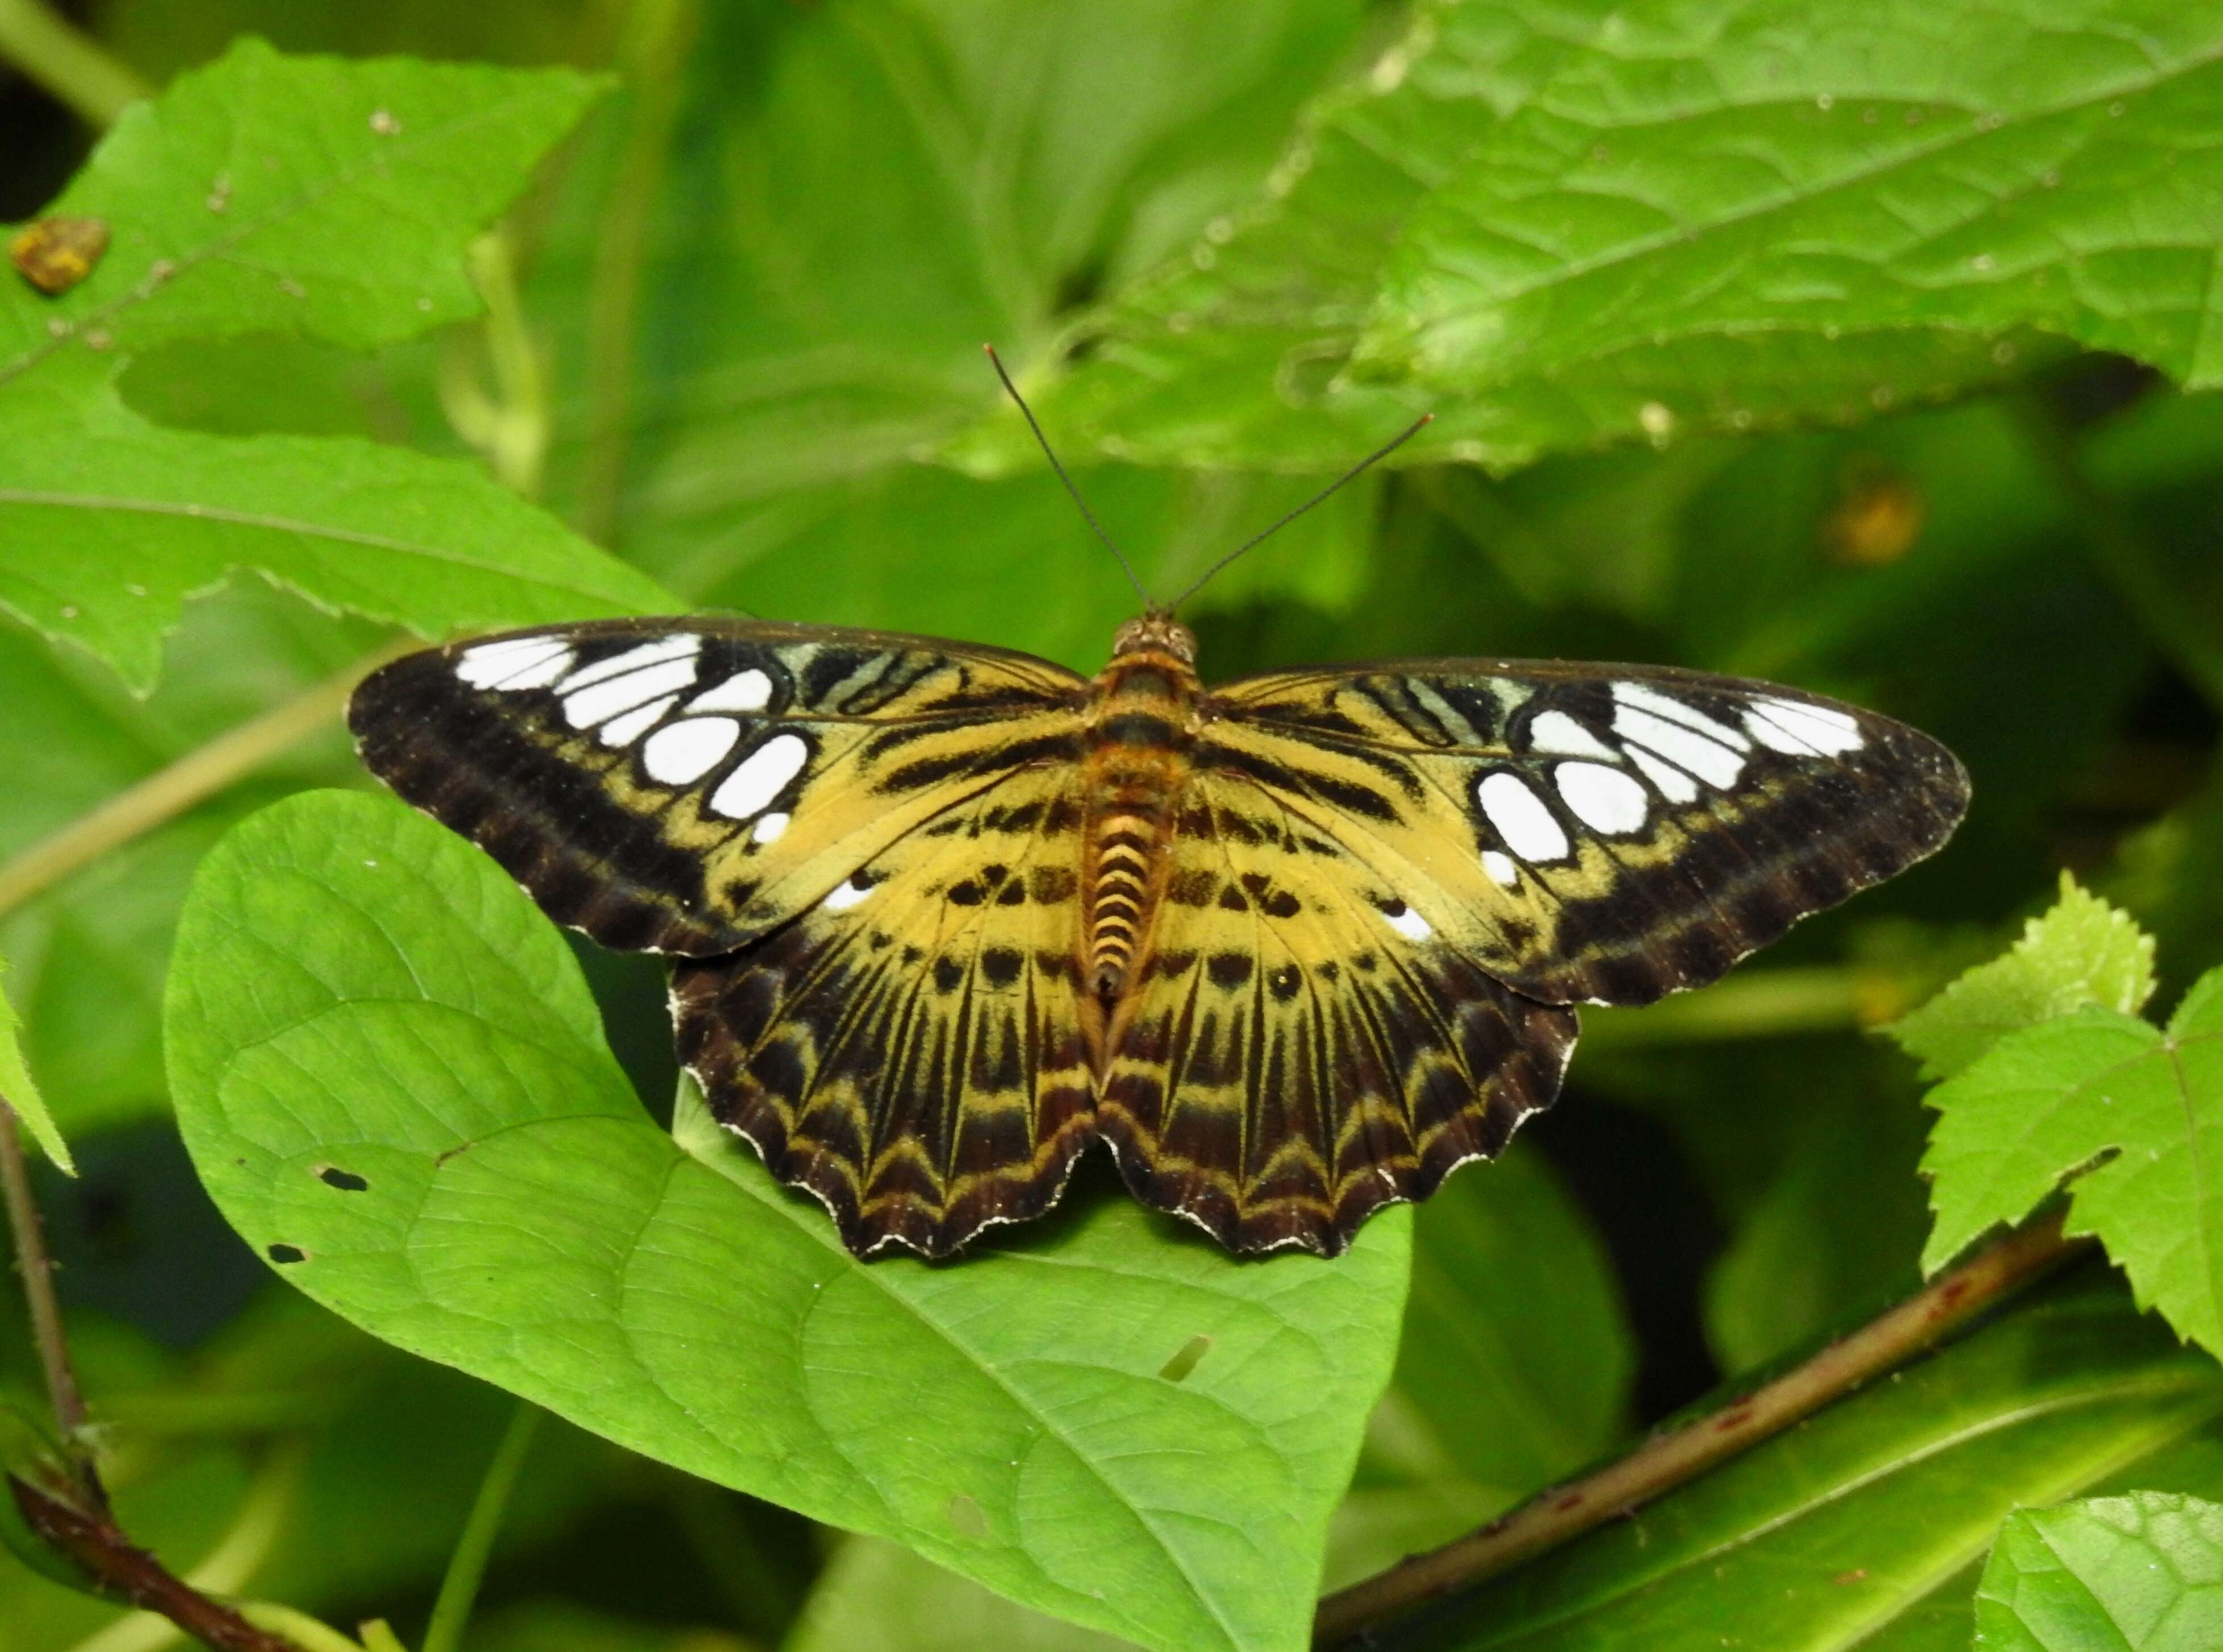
[[686, 785]]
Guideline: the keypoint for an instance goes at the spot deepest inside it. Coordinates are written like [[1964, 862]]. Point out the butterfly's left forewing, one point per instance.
[[1592, 833]]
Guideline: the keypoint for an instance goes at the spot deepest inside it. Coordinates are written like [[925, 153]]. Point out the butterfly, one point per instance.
[[1295, 947]]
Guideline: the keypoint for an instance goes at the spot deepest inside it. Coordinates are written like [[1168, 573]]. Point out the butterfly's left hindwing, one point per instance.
[[687, 785], [1591, 833]]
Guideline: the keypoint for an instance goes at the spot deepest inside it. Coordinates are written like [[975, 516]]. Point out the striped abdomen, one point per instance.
[[1139, 740]]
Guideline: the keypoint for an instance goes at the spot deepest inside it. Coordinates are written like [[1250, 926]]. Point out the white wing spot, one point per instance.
[[1801, 730], [583, 708], [1560, 736], [1406, 922], [770, 827], [1714, 763], [1645, 698], [1502, 866], [514, 662], [748, 691], [623, 731], [1521, 817], [1605, 800], [1674, 784], [684, 645], [847, 894], [689, 749], [760, 777]]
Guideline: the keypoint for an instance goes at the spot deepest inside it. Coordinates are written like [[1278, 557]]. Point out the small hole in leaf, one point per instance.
[[346, 1180], [967, 1517], [287, 1253], [1186, 1360]]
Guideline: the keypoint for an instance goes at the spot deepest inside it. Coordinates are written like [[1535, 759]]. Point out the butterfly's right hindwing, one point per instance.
[[912, 1048], [686, 785]]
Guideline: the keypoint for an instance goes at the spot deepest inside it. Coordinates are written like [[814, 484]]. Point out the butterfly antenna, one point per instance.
[[1034, 425], [1349, 475]]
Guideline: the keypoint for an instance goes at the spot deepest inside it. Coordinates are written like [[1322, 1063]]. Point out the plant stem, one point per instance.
[[263, 1516], [451, 1612], [66, 64], [169, 793], [1667, 1460], [650, 53], [38, 1271], [130, 1573]]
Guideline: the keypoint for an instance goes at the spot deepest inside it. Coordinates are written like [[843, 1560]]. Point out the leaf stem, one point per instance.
[[37, 1270], [66, 64], [170, 791], [451, 1612], [1666, 1460]]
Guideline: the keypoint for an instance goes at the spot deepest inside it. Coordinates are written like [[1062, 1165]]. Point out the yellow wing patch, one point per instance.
[[1296, 1046]]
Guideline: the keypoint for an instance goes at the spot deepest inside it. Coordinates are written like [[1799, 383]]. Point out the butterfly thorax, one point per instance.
[[1140, 725]]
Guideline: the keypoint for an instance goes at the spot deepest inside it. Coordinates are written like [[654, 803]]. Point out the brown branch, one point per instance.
[[37, 1270], [1666, 1460], [119, 1568]]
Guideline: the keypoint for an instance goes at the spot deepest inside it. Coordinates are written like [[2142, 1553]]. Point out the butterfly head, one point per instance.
[[1156, 634]]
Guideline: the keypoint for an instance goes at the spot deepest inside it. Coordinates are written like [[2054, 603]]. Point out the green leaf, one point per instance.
[[1558, 223], [844, 203], [1865, 1526], [2132, 1113], [356, 991], [314, 195], [19, 1092], [2137, 1573], [2080, 951], [876, 1597]]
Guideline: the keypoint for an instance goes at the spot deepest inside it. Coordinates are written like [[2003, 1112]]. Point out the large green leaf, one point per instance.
[[1554, 224], [267, 193], [2132, 1112], [2137, 1573], [1865, 1527], [395, 1083]]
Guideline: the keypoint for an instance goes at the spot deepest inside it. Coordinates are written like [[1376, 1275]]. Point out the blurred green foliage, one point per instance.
[[1760, 339]]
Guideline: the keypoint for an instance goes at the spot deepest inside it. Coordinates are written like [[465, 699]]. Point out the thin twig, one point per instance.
[[66, 64], [37, 1270], [169, 793], [451, 1611], [1667, 1460], [123, 1569]]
